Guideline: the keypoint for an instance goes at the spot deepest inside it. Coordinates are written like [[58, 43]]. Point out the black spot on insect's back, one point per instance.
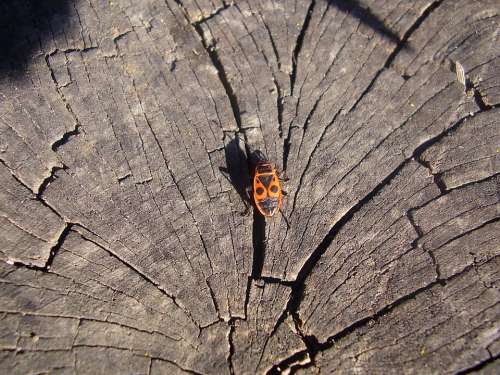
[[266, 180], [25, 25], [274, 189], [260, 191]]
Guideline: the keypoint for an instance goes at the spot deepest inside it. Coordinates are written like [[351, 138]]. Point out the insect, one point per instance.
[[264, 191], [267, 193]]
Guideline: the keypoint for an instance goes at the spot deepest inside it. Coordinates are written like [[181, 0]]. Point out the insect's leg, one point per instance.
[[248, 191], [247, 201], [225, 173], [247, 209], [283, 177]]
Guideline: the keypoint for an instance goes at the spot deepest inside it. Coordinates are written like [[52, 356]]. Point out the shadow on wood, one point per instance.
[[26, 26], [237, 171], [240, 166], [393, 193], [356, 10]]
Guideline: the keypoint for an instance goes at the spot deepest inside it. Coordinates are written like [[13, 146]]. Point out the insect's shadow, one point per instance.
[[240, 164], [365, 16], [25, 26], [237, 169]]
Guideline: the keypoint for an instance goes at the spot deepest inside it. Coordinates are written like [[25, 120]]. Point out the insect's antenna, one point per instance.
[[284, 217]]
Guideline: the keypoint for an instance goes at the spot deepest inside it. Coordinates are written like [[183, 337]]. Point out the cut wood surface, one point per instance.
[[127, 130]]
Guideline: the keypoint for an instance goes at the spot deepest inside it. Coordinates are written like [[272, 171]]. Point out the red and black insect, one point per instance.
[[266, 189]]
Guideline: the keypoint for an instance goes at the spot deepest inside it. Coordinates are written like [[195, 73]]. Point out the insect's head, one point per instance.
[[264, 167]]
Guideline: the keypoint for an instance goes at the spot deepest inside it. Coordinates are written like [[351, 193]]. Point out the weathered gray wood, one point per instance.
[[259, 341], [366, 271], [333, 154], [105, 303], [445, 329], [469, 154], [461, 228], [126, 137], [459, 31], [30, 230]]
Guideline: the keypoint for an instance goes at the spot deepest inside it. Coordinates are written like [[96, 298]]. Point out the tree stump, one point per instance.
[[125, 247]]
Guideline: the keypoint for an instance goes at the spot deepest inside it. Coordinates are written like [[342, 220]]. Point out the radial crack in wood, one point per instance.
[[469, 154], [29, 230], [425, 332], [85, 285], [258, 341], [127, 132]]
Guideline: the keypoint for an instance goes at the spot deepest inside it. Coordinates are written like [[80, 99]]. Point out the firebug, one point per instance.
[[266, 189]]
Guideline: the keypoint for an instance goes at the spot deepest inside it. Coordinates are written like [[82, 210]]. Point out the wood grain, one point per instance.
[[128, 132]]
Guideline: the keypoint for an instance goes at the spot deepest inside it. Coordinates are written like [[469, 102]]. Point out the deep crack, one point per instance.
[[231, 346], [48, 180], [298, 285], [426, 145], [66, 137], [298, 45], [214, 57], [259, 243], [53, 252], [399, 47], [480, 365], [330, 342]]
